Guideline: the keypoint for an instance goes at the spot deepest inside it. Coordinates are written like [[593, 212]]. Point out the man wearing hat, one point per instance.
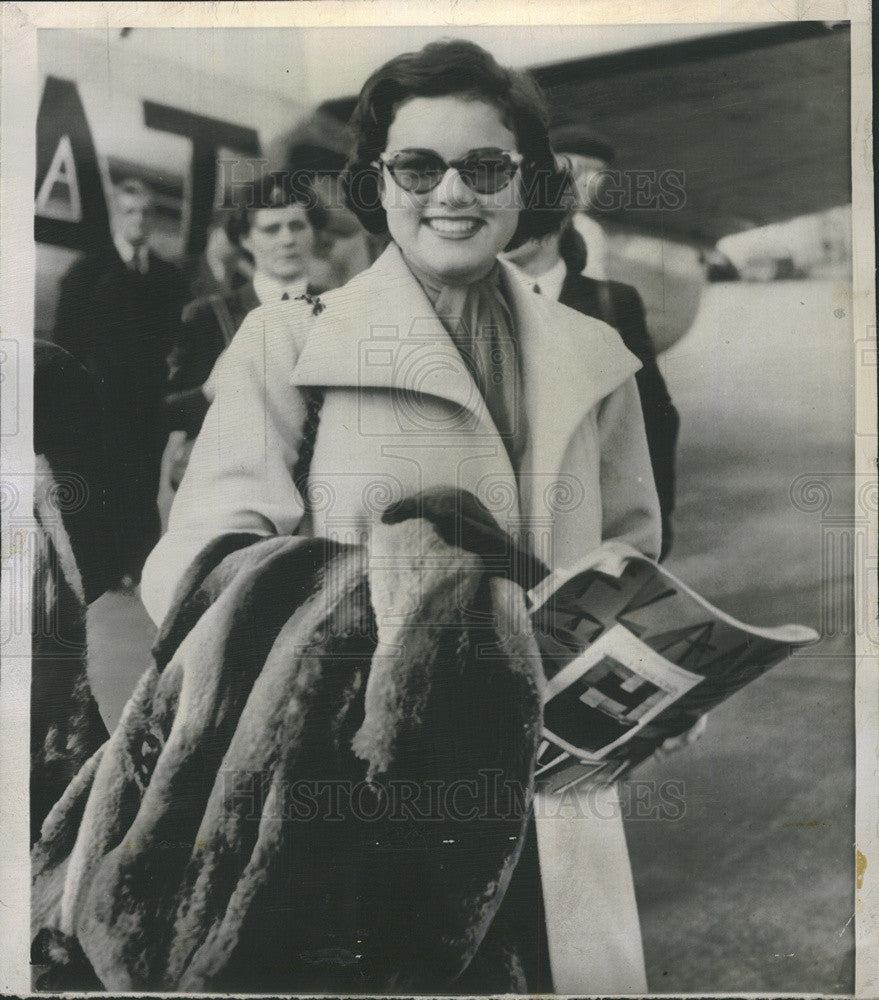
[[275, 224], [588, 157]]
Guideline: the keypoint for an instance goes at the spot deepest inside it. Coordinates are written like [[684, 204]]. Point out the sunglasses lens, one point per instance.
[[418, 172], [488, 173]]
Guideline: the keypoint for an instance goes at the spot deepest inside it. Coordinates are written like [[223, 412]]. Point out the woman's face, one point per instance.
[[452, 233]]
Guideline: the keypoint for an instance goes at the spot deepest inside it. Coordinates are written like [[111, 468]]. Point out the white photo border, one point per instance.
[[19, 95]]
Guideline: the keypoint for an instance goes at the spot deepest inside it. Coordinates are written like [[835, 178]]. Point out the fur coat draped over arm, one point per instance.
[[320, 784]]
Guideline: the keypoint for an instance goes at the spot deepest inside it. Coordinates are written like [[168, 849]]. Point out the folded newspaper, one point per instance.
[[632, 657]]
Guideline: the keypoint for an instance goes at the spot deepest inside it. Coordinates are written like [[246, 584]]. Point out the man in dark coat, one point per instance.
[[118, 312], [209, 324], [552, 266], [275, 226]]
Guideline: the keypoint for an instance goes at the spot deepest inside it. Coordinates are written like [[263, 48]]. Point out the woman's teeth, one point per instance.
[[453, 225]]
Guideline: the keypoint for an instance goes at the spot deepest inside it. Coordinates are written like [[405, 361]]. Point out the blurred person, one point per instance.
[[73, 566], [588, 158], [118, 311], [448, 145], [221, 267], [554, 266], [317, 147], [344, 247], [275, 228]]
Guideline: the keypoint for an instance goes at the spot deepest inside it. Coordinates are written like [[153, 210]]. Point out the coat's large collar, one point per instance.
[[380, 332]]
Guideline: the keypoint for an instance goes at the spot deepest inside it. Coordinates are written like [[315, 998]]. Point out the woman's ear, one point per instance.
[[381, 187]]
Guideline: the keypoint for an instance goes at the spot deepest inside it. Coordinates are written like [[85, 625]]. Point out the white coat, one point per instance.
[[401, 414]]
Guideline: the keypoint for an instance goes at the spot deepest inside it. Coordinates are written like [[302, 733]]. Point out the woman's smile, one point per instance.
[[453, 227]]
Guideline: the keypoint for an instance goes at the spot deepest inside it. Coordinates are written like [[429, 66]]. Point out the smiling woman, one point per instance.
[[452, 231], [438, 370], [505, 138]]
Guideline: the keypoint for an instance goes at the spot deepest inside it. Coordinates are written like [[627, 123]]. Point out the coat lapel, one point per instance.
[[570, 362], [380, 331]]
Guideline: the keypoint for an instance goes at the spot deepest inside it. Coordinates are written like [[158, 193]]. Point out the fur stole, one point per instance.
[[320, 784]]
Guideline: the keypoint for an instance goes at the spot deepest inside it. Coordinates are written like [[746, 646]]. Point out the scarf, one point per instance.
[[480, 322]]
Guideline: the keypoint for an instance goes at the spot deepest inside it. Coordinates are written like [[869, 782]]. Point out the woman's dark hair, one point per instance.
[[463, 69], [273, 190]]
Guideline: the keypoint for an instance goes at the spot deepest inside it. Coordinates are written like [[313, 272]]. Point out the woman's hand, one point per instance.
[[462, 520]]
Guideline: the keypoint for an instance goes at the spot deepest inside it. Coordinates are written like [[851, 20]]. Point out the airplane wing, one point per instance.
[[755, 122]]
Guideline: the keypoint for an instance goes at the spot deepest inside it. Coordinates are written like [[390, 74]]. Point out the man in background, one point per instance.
[[588, 158], [118, 312], [221, 266], [553, 266], [276, 225]]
